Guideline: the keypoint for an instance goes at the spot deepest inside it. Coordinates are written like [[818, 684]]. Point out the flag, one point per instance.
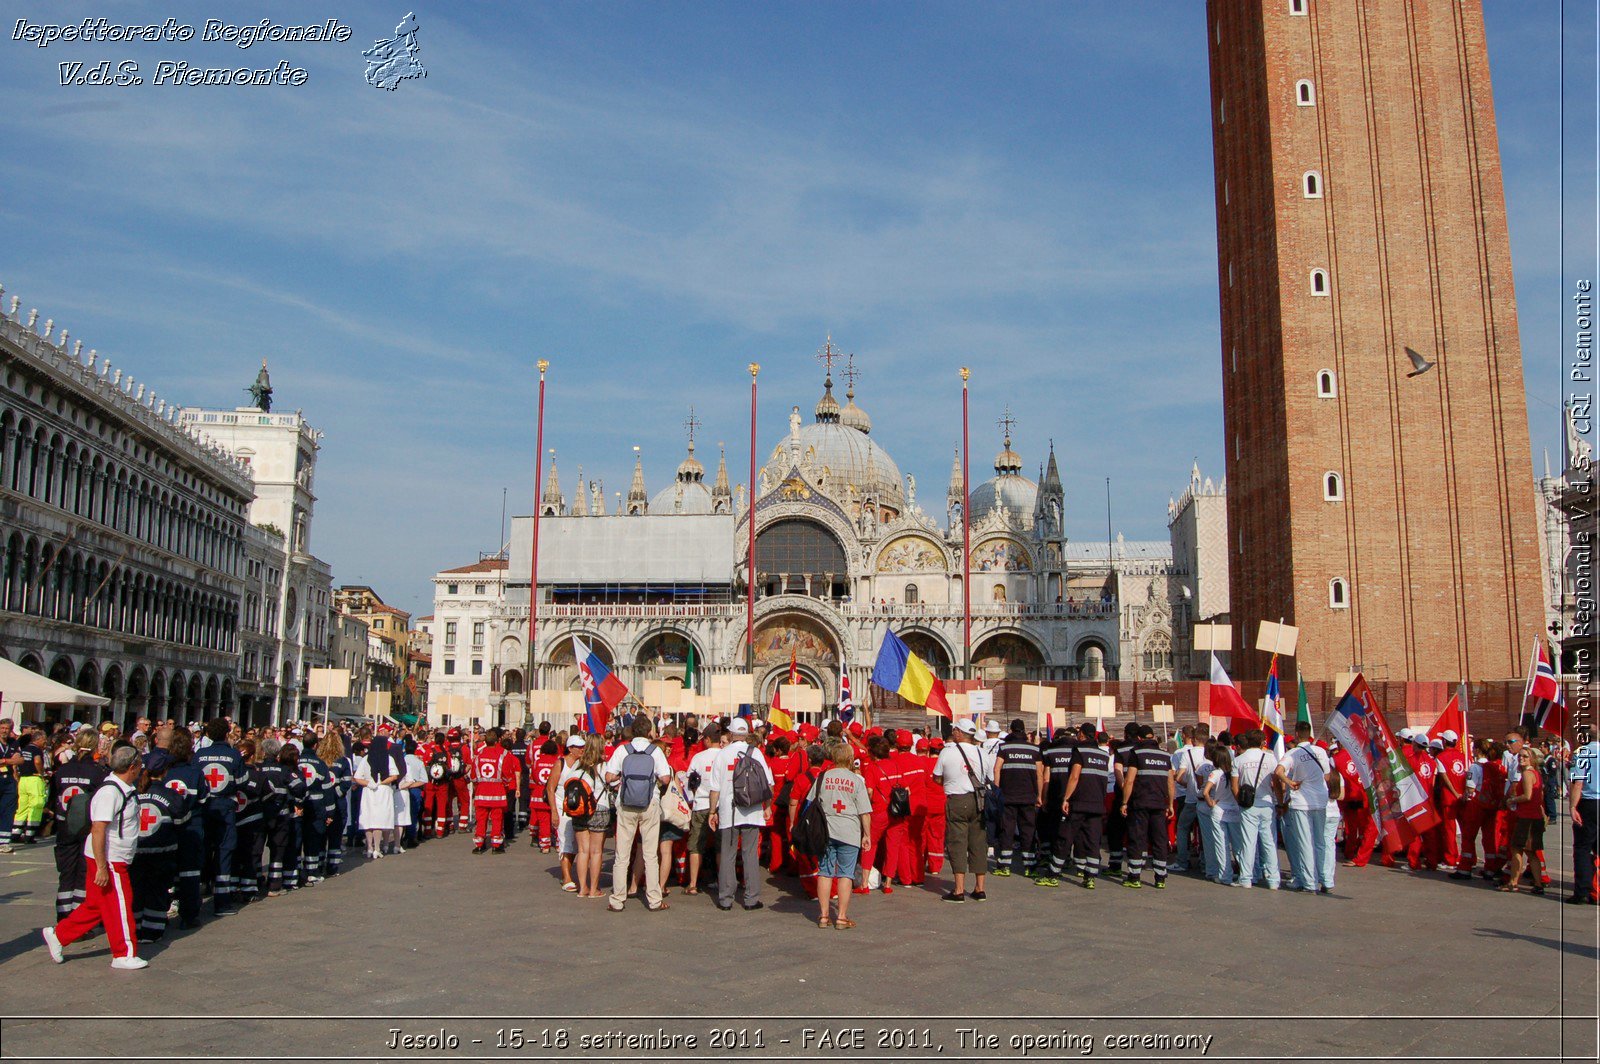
[[778, 716], [1454, 717], [1549, 710], [602, 692], [1401, 806], [847, 708], [1226, 701], [689, 672], [1272, 710], [900, 671], [1302, 712]]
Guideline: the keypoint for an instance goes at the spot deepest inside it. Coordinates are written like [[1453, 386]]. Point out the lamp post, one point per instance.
[[966, 538], [750, 559], [532, 683]]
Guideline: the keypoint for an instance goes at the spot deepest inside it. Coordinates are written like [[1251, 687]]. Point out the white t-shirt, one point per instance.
[[122, 837], [1255, 767], [948, 769], [722, 782], [1227, 807], [705, 763], [658, 760], [1308, 766], [1193, 768]]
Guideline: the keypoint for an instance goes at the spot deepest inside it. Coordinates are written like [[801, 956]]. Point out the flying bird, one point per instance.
[[1419, 365]]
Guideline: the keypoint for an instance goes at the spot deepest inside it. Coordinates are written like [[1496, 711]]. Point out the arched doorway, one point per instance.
[[930, 649], [1091, 660], [810, 645], [562, 667], [111, 687], [61, 671], [1007, 656]]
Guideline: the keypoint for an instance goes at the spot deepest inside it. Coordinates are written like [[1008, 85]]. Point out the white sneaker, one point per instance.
[[8, 848], [54, 945], [129, 964]]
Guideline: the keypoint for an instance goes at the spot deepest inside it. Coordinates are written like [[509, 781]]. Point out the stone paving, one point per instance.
[[1393, 965]]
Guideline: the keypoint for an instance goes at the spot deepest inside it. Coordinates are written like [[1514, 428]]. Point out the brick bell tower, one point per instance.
[[1380, 486]]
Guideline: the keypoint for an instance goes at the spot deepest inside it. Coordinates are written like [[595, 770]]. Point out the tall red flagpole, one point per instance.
[[750, 560], [538, 503], [966, 537]]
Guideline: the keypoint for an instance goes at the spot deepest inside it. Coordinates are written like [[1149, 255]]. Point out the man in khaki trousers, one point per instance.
[[637, 771]]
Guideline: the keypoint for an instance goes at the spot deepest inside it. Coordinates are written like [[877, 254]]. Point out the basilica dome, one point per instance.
[[848, 463], [1008, 491], [687, 494]]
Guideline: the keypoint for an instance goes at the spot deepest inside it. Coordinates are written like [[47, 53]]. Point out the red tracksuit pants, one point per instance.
[[540, 825], [463, 802], [1449, 846], [111, 905], [436, 808], [933, 839], [1495, 860], [1475, 821], [870, 855], [490, 817], [1360, 833], [900, 856]]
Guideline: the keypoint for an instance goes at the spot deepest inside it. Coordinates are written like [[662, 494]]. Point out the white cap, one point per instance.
[[1405, 733], [993, 727], [968, 725], [575, 741], [1435, 744], [737, 726], [1449, 736]]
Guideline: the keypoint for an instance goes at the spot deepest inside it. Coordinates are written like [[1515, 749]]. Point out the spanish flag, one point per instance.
[[777, 716], [908, 676]]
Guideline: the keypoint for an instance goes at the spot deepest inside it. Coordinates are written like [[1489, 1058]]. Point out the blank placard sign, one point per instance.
[[1162, 713], [1277, 638], [1213, 637], [328, 683], [1100, 707]]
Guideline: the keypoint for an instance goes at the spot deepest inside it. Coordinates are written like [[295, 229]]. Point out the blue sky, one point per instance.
[[652, 195]]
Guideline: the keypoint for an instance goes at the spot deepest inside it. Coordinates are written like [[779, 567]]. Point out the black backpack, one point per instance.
[[810, 835], [900, 801]]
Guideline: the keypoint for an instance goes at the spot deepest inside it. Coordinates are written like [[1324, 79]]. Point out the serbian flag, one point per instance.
[[1550, 701], [602, 692], [1401, 806], [847, 707], [777, 716], [1454, 718], [1226, 701], [908, 676], [1272, 710]]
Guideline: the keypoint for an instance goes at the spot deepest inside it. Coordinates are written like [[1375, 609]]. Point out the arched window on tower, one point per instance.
[[1305, 93], [1338, 594], [1297, 7], [1313, 184], [1319, 282], [1327, 384], [1332, 487]]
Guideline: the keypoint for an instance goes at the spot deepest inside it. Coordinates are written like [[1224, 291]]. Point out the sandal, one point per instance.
[[658, 908], [690, 890], [1506, 888], [844, 925], [825, 922]]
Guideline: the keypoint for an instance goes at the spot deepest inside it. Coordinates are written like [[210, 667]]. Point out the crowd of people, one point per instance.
[[146, 825]]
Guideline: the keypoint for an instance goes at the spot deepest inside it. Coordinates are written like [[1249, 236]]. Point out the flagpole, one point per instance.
[[533, 569], [750, 560], [966, 536]]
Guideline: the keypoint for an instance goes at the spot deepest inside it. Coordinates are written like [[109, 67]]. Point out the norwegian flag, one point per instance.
[[1549, 710]]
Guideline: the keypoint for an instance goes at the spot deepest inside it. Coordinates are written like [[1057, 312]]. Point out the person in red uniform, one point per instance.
[[1419, 852], [1492, 801], [805, 866], [1451, 792], [933, 824], [541, 829], [1360, 833], [774, 836], [1470, 813], [457, 794], [436, 791], [874, 769], [494, 778], [904, 861]]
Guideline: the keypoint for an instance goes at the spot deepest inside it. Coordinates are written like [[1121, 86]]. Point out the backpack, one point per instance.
[[577, 798], [638, 787], [810, 835], [77, 821], [750, 785], [900, 801], [438, 767]]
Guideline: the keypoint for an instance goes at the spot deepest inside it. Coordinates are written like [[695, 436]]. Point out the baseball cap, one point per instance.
[[108, 728], [1435, 744], [737, 726], [1449, 736], [968, 725], [575, 741], [993, 727]]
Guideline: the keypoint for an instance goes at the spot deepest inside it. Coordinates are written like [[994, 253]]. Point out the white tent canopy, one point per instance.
[[19, 685]]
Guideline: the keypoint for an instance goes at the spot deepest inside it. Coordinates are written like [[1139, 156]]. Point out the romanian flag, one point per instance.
[[908, 676], [777, 716]]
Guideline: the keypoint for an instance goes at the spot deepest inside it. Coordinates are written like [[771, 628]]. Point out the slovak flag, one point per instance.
[[1549, 710], [847, 707], [602, 692]]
